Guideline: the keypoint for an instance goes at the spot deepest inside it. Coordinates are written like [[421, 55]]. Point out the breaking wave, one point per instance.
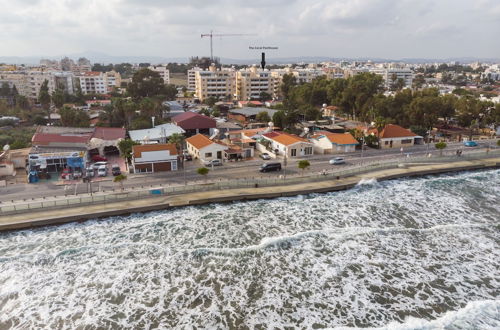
[[403, 254]]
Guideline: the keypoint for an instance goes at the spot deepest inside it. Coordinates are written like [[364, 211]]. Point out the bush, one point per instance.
[[498, 143], [441, 145]]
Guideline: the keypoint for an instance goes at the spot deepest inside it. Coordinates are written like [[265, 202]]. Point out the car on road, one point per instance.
[[270, 167], [265, 156], [337, 161], [99, 164], [470, 144], [213, 162], [102, 170], [115, 170], [89, 172]]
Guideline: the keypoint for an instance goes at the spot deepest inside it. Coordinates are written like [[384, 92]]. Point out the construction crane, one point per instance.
[[211, 35]]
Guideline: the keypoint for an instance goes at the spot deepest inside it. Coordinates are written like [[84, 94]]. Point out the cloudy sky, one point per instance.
[[172, 28]]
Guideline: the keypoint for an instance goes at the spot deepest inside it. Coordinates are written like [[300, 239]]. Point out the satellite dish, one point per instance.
[[324, 105], [6, 147]]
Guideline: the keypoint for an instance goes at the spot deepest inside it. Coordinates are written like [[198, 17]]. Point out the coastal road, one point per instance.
[[236, 170]]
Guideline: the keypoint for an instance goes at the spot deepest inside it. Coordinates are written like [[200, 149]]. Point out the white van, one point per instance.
[[102, 170]]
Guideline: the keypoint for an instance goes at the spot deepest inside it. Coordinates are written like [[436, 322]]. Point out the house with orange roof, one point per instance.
[[287, 144], [330, 143], [201, 147], [395, 136], [152, 158]]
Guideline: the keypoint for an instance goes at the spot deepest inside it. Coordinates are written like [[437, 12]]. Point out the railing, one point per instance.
[[14, 207]]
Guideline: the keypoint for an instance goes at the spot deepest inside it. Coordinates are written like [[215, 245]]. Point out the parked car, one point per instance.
[[77, 173], [265, 156], [66, 174], [89, 172], [187, 157], [470, 144], [99, 164], [213, 162], [102, 170], [270, 167], [337, 161], [98, 158], [115, 170]]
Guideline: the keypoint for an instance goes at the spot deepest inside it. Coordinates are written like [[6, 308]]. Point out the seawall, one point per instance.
[[82, 213]]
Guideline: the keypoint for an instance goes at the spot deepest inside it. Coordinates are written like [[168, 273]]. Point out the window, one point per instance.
[[386, 142], [294, 152], [174, 165], [208, 155], [407, 141], [308, 150]]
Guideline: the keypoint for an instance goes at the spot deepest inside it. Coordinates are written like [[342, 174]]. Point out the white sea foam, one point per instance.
[[365, 181], [405, 253]]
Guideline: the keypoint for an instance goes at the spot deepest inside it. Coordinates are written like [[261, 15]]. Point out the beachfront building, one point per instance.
[[288, 145], [152, 158]]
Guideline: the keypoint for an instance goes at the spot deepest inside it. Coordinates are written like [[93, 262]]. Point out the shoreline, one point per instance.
[[100, 211]]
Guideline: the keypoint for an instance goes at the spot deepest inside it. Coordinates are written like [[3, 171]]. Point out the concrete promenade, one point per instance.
[[81, 213]]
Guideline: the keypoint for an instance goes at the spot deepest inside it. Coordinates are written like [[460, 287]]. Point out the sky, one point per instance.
[[392, 29]]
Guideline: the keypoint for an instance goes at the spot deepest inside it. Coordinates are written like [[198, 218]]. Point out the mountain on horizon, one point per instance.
[[98, 57]]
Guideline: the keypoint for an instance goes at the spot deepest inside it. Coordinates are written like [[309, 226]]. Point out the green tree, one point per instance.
[[203, 171], [205, 112], [120, 179], [210, 101], [125, 146], [498, 143], [141, 123], [279, 119], [440, 146], [44, 98], [287, 84], [303, 165], [264, 96], [58, 98], [263, 117], [74, 118], [178, 140], [146, 83]]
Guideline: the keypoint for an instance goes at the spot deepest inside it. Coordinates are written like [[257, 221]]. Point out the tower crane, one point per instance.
[[211, 35]]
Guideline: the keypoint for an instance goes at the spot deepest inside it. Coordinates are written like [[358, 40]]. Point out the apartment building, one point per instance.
[[93, 83], [215, 83], [192, 78], [113, 79], [163, 71], [394, 74], [251, 83], [307, 75]]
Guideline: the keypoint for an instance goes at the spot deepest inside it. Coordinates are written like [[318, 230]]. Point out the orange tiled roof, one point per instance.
[[199, 141], [340, 138], [287, 139], [139, 149], [395, 131]]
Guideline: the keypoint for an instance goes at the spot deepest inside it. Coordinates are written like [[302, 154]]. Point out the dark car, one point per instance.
[[188, 157], [115, 170], [270, 167]]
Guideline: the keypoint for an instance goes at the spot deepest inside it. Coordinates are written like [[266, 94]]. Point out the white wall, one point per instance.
[[155, 156]]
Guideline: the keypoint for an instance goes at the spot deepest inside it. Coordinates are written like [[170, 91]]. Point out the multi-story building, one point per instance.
[[163, 71], [192, 78], [394, 74], [251, 83], [65, 81], [35, 80], [219, 84], [307, 75], [93, 82], [113, 79]]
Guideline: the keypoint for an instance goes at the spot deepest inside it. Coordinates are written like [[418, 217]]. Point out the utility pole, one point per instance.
[[211, 35]]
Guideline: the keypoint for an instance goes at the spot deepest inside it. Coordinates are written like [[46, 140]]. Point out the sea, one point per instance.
[[420, 253]]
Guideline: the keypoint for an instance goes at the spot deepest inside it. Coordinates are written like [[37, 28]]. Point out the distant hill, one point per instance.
[[96, 57]]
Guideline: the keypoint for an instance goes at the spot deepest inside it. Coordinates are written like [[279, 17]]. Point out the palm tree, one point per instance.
[[380, 123], [203, 171], [440, 146], [119, 179], [303, 164]]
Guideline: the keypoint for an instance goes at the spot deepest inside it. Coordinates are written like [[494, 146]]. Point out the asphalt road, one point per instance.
[[244, 169]]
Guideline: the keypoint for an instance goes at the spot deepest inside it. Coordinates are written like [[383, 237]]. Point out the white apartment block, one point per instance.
[[394, 74], [113, 79], [192, 78], [93, 83], [215, 83], [251, 83], [307, 75], [163, 71]]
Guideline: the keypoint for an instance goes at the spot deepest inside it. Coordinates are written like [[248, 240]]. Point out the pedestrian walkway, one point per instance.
[[78, 213]]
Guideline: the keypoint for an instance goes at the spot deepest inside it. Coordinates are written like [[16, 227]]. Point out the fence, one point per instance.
[[137, 193]]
